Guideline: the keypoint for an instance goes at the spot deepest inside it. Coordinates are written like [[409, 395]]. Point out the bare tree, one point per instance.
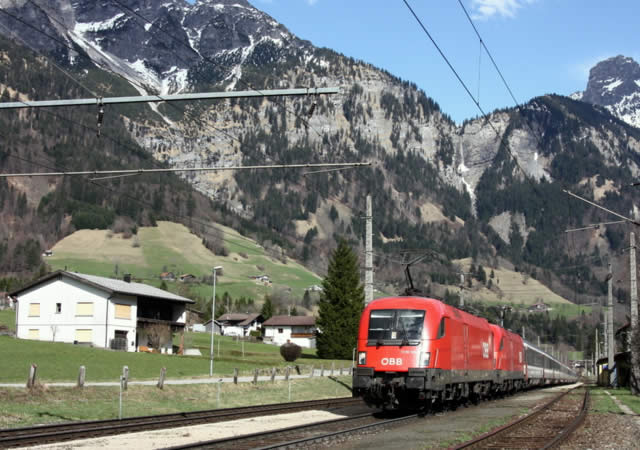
[[157, 335]]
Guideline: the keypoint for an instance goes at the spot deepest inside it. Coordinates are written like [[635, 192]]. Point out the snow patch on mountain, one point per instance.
[[93, 27], [611, 86]]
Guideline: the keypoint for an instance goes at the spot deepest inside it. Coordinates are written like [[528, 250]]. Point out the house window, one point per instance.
[[58, 308], [34, 333], [280, 330], [123, 311], [84, 309], [84, 336], [34, 309]]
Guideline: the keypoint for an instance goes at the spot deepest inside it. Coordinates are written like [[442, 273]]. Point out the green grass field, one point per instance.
[[8, 318], [602, 403], [60, 362], [22, 407], [171, 247]]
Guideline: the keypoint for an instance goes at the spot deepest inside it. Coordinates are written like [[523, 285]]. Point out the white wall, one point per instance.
[[62, 326]]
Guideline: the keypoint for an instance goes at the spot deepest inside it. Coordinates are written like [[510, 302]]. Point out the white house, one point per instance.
[[102, 312], [238, 324], [300, 330]]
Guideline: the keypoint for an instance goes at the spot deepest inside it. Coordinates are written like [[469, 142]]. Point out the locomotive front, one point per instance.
[[393, 351]]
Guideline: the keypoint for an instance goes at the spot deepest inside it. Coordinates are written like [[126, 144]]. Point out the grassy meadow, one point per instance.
[[170, 247], [512, 287], [60, 361], [8, 318], [22, 407]]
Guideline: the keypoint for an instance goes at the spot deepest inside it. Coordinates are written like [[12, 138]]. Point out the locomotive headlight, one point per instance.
[[425, 359], [362, 358]]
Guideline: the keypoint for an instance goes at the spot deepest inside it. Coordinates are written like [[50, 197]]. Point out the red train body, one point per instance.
[[413, 351]]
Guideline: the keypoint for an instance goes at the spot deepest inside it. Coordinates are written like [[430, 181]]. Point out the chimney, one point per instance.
[[127, 277]]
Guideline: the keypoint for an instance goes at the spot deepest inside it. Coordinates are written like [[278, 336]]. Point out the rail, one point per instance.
[[41, 434], [511, 434]]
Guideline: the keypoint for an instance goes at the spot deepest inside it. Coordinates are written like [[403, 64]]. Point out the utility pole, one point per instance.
[[461, 290], [368, 255], [610, 339], [597, 352], [633, 299]]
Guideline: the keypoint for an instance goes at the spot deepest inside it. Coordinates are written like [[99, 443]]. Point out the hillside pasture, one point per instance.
[[510, 287], [171, 247]]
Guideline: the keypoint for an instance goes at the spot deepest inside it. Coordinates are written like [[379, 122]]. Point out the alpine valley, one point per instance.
[[455, 191]]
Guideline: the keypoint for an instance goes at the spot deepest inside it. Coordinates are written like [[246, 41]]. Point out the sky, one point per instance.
[[540, 46]]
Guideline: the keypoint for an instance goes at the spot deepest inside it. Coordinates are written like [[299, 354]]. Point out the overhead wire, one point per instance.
[[169, 213], [153, 161], [129, 80], [125, 8]]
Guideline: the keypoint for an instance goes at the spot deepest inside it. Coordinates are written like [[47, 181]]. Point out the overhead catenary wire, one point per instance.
[[501, 137], [125, 8], [101, 65], [180, 169]]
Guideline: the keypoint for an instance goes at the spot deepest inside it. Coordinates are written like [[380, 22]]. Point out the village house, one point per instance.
[[217, 328], [300, 330], [238, 324], [167, 276], [187, 278], [539, 307], [97, 311]]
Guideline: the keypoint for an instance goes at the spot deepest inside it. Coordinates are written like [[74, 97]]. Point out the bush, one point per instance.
[[255, 333], [290, 351]]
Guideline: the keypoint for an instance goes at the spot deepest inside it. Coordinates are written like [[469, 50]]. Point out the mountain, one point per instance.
[[615, 84], [490, 189]]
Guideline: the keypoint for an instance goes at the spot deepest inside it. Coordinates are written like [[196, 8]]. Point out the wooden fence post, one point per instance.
[[235, 376], [163, 373], [311, 374], [333, 364], [322, 370], [81, 376], [341, 370], [125, 377], [286, 373], [273, 374], [255, 377], [31, 381]]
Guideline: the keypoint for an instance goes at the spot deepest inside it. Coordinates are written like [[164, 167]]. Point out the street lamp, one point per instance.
[[213, 317]]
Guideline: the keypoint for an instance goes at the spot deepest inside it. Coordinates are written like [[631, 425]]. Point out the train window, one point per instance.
[[441, 329], [396, 325]]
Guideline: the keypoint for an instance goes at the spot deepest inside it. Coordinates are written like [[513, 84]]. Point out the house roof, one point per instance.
[[109, 285], [291, 321], [250, 319], [232, 317]]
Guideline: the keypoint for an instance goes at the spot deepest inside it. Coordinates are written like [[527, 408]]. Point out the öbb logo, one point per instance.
[[391, 361]]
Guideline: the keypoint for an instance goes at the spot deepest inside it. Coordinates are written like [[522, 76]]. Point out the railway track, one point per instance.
[[44, 434], [544, 428], [319, 434]]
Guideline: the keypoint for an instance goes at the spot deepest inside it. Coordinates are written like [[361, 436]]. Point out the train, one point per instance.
[[414, 352]]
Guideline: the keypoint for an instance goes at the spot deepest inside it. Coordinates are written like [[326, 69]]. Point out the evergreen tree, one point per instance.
[[306, 300], [267, 308], [341, 303]]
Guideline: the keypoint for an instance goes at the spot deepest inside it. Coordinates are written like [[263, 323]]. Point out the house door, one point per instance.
[[119, 341]]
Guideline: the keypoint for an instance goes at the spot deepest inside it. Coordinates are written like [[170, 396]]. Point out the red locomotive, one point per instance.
[[415, 351]]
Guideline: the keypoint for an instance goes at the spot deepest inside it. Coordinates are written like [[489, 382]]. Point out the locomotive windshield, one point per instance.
[[395, 326]]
